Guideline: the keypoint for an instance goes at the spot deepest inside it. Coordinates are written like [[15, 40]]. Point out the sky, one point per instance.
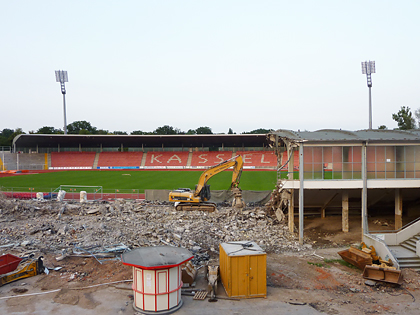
[[139, 65]]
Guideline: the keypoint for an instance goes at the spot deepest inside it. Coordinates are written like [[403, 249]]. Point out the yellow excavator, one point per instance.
[[187, 199]]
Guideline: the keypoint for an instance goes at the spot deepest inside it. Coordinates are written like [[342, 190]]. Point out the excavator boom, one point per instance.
[[237, 164]]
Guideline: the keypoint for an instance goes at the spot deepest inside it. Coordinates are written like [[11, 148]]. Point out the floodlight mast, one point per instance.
[[368, 67], [61, 76]]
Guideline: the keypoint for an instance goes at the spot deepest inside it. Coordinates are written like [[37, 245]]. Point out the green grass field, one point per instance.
[[250, 180]]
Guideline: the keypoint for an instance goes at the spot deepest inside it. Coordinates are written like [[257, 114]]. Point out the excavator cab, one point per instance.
[[205, 194]]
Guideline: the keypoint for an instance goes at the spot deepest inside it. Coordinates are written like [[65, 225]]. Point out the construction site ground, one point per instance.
[[310, 280]]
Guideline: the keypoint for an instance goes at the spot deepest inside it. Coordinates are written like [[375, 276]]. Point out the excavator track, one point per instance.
[[201, 206]]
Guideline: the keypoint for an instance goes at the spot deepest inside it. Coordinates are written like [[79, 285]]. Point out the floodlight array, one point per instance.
[[61, 76], [368, 67]]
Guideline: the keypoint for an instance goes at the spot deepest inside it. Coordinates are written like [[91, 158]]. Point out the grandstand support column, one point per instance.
[[291, 210], [80, 147], [301, 199], [398, 209], [364, 191], [278, 155], [58, 147], [345, 211]]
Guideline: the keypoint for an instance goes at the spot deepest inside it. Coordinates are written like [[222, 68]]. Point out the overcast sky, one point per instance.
[[139, 65]]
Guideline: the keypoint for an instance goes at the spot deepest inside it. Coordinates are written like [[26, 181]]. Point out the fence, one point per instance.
[[72, 193]]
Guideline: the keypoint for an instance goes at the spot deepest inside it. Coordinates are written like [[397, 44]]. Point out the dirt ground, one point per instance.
[[298, 279], [311, 281]]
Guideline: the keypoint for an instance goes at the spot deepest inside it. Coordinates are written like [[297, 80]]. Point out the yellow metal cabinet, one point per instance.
[[243, 269]]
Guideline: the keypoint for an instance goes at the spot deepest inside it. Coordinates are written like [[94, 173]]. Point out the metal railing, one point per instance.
[[395, 231]]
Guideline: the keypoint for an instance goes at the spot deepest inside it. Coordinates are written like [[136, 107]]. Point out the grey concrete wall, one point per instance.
[[33, 161]]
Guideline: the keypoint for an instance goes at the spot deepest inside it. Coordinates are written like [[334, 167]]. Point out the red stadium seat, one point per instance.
[[120, 159], [72, 159], [259, 159]]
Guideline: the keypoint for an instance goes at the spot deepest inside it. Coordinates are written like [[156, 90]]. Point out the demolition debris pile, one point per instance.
[[52, 226]]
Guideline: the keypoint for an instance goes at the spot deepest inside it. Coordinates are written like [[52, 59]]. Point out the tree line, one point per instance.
[[83, 127]]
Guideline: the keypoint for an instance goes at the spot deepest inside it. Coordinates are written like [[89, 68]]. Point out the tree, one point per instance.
[[204, 131], [4, 137], [230, 132], [7, 132], [258, 131], [17, 132], [119, 133], [138, 132], [102, 132], [383, 127], [47, 130], [167, 130], [404, 119], [81, 127], [191, 132]]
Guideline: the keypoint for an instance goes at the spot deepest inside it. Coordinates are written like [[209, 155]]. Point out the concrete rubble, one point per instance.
[[52, 226], [279, 202]]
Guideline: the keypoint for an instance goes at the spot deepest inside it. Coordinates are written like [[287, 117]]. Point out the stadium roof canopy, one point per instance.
[[138, 141], [214, 140], [344, 136]]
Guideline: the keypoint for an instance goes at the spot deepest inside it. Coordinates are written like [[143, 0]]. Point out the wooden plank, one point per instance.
[[200, 295]]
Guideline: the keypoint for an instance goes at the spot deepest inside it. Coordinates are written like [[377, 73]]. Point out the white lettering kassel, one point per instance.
[[202, 157], [174, 158], [155, 158], [262, 159], [220, 157]]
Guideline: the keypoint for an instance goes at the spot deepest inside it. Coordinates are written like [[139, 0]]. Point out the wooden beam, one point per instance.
[[326, 205], [291, 210]]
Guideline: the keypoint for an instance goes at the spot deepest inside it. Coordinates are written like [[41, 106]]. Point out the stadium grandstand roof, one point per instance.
[[135, 141], [341, 136]]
